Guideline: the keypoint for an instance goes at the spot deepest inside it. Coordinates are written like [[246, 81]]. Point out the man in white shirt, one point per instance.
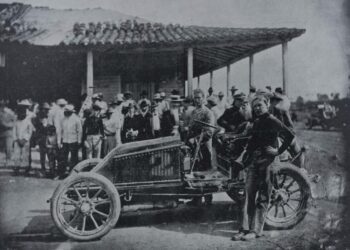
[[69, 138], [56, 116]]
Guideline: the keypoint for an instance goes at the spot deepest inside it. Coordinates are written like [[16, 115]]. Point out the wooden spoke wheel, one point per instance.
[[289, 197], [85, 206]]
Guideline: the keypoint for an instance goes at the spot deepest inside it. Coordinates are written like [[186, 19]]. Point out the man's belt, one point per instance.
[[113, 134]]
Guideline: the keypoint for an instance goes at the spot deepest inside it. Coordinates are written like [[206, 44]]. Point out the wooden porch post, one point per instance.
[[190, 72], [211, 79], [228, 69], [285, 67], [89, 73], [251, 70], [198, 81]]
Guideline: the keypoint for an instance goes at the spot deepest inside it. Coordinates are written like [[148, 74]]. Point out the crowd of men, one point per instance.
[[59, 130]]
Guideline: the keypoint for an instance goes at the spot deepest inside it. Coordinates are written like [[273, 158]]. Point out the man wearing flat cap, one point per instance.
[[233, 117], [93, 132]]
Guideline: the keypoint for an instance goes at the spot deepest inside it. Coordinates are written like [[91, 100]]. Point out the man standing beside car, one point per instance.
[[261, 151], [203, 114]]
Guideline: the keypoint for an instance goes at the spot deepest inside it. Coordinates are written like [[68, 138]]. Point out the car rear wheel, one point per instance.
[[85, 206]]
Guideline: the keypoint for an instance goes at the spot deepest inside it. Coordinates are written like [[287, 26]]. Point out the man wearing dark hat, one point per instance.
[[143, 97], [252, 93], [93, 132], [40, 123], [130, 127], [69, 139], [232, 117], [261, 151], [144, 122], [210, 91], [285, 103], [127, 101]]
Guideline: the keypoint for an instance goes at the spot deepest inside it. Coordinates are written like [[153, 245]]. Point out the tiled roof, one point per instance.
[[43, 26]]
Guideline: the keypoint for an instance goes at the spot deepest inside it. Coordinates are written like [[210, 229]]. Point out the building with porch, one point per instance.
[[47, 53]]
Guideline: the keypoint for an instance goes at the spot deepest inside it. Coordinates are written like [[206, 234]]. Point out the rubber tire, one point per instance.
[[86, 165], [108, 187], [305, 185]]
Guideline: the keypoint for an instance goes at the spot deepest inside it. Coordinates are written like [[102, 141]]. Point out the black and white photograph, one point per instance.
[[174, 124]]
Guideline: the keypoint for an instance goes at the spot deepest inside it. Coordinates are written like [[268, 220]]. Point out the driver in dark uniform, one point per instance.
[[262, 149]]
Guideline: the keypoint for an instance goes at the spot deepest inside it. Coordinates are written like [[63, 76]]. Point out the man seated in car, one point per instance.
[[261, 151], [236, 115]]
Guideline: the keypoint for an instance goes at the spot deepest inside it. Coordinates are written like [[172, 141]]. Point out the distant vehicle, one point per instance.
[[325, 117], [155, 174]]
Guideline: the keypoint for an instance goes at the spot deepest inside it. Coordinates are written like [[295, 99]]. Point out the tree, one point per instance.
[[322, 97]]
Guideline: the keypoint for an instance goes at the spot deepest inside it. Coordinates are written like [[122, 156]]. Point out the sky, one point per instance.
[[317, 61]]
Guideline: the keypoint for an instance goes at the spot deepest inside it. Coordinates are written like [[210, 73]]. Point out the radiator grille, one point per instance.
[[151, 166]]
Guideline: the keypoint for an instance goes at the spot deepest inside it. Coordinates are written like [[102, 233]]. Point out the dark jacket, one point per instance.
[[129, 123], [144, 123], [167, 123], [93, 126], [266, 129], [231, 117]]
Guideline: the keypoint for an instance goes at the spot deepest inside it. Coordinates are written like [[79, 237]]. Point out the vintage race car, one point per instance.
[[155, 174]]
